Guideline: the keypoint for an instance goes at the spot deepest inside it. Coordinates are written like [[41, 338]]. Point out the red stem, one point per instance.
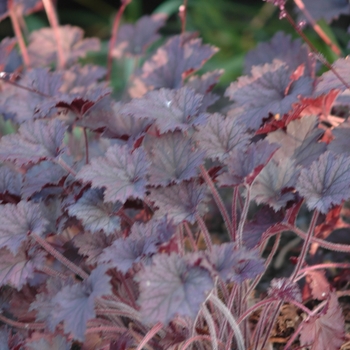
[[17, 29], [53, 20], [114, 37], [23, 325], [150, 334]]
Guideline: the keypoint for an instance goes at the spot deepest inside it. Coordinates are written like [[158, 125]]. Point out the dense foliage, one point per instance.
[[107, 204]]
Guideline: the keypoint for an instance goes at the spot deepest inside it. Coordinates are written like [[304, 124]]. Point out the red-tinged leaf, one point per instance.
[[10, 59], [75, 305], [265, 219], [40, 175], [340, 144], [221, 135], [91, 245], [170, 287], [170, 109], [325, 331], [46, 341], [40, 85], [292, 213], [326, 9], [80, 102], [299, 141], [319, 285], [96, 215], [17, 222], [134, 39], [245, 166], [203, 85], [42, 46], [273, 183], [268, 90], [16, 270], [234, 265], [107, 115], [281, 47], [10, 182], [168, 66], [326, 182], [35, 141], [122, 172], [284, 289], [173, 159], [180, 202]]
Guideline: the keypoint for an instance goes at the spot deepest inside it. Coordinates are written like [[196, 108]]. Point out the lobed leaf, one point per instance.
[[35, 141], [220, 136], [173, 159], [96, 215], [74, 305], [325, 331], [134, 39], [17, 222], [180, 202], [326, 182], [180, 55], [268, 90], [121, 172], [170, 109], [171, 286]]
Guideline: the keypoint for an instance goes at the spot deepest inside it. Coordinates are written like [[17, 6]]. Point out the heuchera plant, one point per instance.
[[104, 214]]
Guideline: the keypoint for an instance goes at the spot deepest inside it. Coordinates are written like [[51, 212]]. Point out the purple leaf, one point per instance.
[[96, 215], [171, 109], [107, 115], [299, 141], [142, 243], [16, 270], [269, 89], [51, 342], [124, 252], [325, 331], [10, 181], [79, 77], [326, 182], [281, 47], [43, 45], [234, 265], [135, 39], [320, 288], [23, 7], [180, 202], [121, 172], [10, 60], [75, 304], [17, 222], [326, 9], [22, 103], [171, 286], [220, 136], [245, 166], [203, 85], [271, 184], [40, 175], [180, 55], [91, 245], [173, 159], [35, 141], [329, 81], [284, 289], [340, 144]]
